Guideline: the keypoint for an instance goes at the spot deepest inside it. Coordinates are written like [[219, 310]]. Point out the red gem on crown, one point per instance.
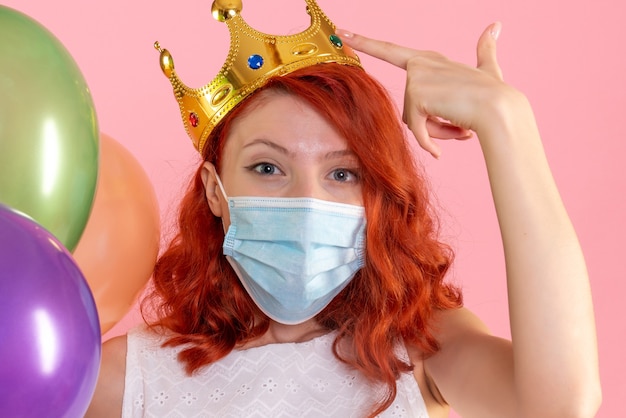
[[194, 119]]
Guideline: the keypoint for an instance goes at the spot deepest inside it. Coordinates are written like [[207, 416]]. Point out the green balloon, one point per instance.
[[48, 129]]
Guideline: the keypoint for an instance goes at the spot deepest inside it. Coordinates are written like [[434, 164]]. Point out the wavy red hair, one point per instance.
[[392, 299]]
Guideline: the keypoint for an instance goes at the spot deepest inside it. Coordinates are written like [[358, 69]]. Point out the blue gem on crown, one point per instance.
[[255, 61]]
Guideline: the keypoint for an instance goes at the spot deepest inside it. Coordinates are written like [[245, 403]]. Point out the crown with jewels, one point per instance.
[[253, 59]]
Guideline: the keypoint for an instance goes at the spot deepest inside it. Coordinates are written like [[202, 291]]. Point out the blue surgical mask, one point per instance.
[[294, 255]]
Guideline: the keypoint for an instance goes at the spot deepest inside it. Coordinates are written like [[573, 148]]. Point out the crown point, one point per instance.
[[222, 10], [167, 62]]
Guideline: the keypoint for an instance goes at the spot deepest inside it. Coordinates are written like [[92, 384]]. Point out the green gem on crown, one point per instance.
[[335, 40]]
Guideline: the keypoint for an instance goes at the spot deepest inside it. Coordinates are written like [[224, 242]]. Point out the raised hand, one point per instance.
[[445, 99]]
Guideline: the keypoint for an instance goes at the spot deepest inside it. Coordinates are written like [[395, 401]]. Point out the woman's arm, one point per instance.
[[551, 367]]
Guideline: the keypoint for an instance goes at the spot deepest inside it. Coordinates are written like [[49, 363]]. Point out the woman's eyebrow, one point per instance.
[[328, 156], [270, 144], [339, 154]]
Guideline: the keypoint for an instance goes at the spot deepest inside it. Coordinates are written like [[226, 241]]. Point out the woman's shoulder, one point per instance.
[[109, 392], [115, 346]]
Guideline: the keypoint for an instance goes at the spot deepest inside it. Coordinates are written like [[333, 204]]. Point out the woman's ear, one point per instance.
[[213, 196]]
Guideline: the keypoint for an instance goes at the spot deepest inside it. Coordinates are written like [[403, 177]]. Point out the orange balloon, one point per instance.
[[120, 243]]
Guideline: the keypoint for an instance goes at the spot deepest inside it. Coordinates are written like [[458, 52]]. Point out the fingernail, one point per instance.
[[435, 151], [342, 33], [496, 28]]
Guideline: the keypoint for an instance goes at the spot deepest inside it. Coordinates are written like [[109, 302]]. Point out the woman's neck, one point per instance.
[[278, 333]]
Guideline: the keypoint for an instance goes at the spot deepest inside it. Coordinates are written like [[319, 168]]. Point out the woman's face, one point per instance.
[[282, 147]]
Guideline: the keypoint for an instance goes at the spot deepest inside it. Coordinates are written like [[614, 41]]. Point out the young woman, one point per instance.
[[317, 160]]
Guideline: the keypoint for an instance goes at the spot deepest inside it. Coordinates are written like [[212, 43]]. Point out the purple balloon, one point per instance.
[[50, 344]]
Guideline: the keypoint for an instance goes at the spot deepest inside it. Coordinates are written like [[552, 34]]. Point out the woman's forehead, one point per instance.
[[286, 120]]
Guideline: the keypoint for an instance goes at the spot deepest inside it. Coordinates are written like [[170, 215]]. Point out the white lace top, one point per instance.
[[276, 380]]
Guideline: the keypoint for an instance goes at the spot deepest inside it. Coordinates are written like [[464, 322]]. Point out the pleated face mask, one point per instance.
[[294, 255]]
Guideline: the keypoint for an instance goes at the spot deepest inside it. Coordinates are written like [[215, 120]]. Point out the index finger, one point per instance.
[[386, 51]]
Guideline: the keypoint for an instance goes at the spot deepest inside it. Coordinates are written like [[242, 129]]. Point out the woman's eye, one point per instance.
[[343, 175], [265, 169]]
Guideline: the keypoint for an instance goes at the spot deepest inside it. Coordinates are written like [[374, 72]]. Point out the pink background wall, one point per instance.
[[569, 60]]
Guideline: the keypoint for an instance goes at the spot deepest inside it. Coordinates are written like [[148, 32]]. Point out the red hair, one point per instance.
[[391, 300]]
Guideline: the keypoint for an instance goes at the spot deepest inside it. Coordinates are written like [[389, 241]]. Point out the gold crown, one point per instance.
[[253, 59]]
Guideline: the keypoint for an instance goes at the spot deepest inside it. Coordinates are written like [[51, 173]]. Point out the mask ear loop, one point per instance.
[[221, 186]]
